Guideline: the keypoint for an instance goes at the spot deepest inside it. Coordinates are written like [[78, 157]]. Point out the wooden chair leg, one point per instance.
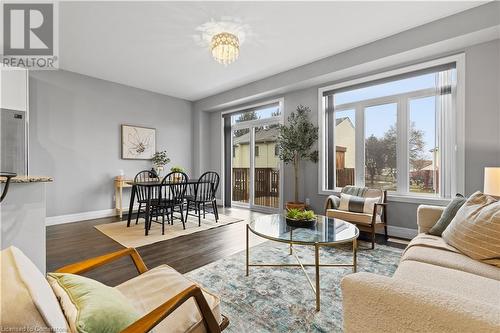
[[385, 232], [204, 211], [199, 214], [138, 214], [216, 210], [163, 222], [373, 236], [214, 207]]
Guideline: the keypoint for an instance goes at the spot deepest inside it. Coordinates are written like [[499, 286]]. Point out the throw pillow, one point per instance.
[[475, 229], [90, 306], [448, 215], [356, 204]]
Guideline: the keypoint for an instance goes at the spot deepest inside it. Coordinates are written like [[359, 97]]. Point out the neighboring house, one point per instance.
[[266, 153], [345, 139]]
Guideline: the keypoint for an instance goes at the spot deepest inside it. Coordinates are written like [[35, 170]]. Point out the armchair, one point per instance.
[[156, 293], [364, 222]]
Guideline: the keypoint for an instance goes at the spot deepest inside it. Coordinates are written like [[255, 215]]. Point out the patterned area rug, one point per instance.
[[280, 299]]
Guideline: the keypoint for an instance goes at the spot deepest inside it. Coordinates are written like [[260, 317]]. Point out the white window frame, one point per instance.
[[456, 128]]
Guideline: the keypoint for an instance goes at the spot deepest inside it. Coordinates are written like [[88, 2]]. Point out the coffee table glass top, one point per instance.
[[325, 230]]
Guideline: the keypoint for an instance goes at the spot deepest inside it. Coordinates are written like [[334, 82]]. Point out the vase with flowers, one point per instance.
[[160, 159]]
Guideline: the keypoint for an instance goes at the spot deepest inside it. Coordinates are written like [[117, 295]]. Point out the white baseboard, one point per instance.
[[77, 217], [401, 232]]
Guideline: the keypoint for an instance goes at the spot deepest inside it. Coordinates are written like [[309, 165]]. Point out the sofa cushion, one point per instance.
[[27, 299], [433, 250], [463, 284], [17, 308], [475, 229], [91, 306], [352, 217], [151, 289], [448, 214]]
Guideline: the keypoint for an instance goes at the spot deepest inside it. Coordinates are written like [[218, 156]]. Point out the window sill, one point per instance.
[[403, 198]]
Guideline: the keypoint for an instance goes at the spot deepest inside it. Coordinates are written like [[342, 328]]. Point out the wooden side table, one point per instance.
[[120, 183]]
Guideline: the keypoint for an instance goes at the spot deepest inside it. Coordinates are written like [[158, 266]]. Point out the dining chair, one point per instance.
[[170, 196], [142, 192], [204, 193]]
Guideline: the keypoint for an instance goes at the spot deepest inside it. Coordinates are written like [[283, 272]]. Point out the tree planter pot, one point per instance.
[[295, 205], [300, 223]]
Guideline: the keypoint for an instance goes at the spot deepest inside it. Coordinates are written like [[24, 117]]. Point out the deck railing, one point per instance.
[[266, 186]]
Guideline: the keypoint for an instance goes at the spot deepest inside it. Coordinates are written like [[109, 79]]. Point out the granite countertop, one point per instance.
[[28, 179]]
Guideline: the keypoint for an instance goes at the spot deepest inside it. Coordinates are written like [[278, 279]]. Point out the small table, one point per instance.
[[120, 184], [325, 232]]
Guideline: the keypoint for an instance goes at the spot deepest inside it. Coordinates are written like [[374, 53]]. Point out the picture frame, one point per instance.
[[137, 142]]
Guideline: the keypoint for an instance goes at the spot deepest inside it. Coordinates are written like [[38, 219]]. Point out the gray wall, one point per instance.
[[75, 136], [482, 138]]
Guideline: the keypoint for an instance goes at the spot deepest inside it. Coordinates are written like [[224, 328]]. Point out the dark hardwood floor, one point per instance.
[[73, 242]]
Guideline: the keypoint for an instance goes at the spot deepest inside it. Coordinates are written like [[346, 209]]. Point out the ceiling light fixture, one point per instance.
[[225, 48]]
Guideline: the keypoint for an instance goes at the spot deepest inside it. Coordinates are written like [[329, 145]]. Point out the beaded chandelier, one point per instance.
[[225, 48]]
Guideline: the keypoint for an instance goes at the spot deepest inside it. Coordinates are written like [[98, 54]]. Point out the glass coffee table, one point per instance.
[[327, 232]]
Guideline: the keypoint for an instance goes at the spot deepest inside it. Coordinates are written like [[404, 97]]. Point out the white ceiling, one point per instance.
[[151, 45]]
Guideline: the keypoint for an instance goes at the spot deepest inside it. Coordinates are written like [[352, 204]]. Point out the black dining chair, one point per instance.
[[204, 194], [142, 192], [171, 196]]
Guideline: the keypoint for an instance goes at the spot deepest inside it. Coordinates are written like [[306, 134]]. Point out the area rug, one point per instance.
[[133, 236], [280, 299]]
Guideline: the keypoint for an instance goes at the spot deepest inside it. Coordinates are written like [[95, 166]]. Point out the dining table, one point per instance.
[[150, 185]]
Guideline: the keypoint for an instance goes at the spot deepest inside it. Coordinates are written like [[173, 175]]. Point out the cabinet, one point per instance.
[[14, 88]]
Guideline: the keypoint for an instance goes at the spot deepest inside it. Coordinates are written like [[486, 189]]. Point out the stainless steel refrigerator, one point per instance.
[[14, 138]]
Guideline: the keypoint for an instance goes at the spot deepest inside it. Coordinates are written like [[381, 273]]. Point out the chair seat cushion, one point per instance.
[[26, 299], [353, 217], [151, 289]]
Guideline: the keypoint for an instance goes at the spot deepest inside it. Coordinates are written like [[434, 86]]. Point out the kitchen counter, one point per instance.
[[22, 217], [28, 179]]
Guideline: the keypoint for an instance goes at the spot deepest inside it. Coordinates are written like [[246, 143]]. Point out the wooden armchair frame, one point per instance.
[[153, 318], [371, 228]]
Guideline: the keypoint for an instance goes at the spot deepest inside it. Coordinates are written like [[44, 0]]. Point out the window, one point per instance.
[[393, 132], [276, 150], [256, 151], [267, 111]]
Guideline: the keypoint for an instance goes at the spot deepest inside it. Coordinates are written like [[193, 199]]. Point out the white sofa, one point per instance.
[[434, 289]]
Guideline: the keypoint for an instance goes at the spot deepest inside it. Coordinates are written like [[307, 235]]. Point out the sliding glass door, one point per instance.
[[266, 167], [255, 166], [240, 166]]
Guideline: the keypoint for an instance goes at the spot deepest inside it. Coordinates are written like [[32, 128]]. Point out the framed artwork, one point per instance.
[[138, 143]]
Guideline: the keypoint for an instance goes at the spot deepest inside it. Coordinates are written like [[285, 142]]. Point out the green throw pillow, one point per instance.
[[448, 215], [90, 306]]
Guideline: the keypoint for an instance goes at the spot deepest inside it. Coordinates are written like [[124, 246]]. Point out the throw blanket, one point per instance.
[[333, 201]]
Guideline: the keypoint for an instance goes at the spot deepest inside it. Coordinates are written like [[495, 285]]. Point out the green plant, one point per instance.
[[297, 214], [176, 169], [295, 141], [160, 159]]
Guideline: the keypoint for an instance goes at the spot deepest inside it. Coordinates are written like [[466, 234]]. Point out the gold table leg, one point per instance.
[[316, 263], [248, 250], [354, 255]]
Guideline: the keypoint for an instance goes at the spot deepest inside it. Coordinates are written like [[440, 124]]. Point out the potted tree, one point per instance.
[[295, 143]]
